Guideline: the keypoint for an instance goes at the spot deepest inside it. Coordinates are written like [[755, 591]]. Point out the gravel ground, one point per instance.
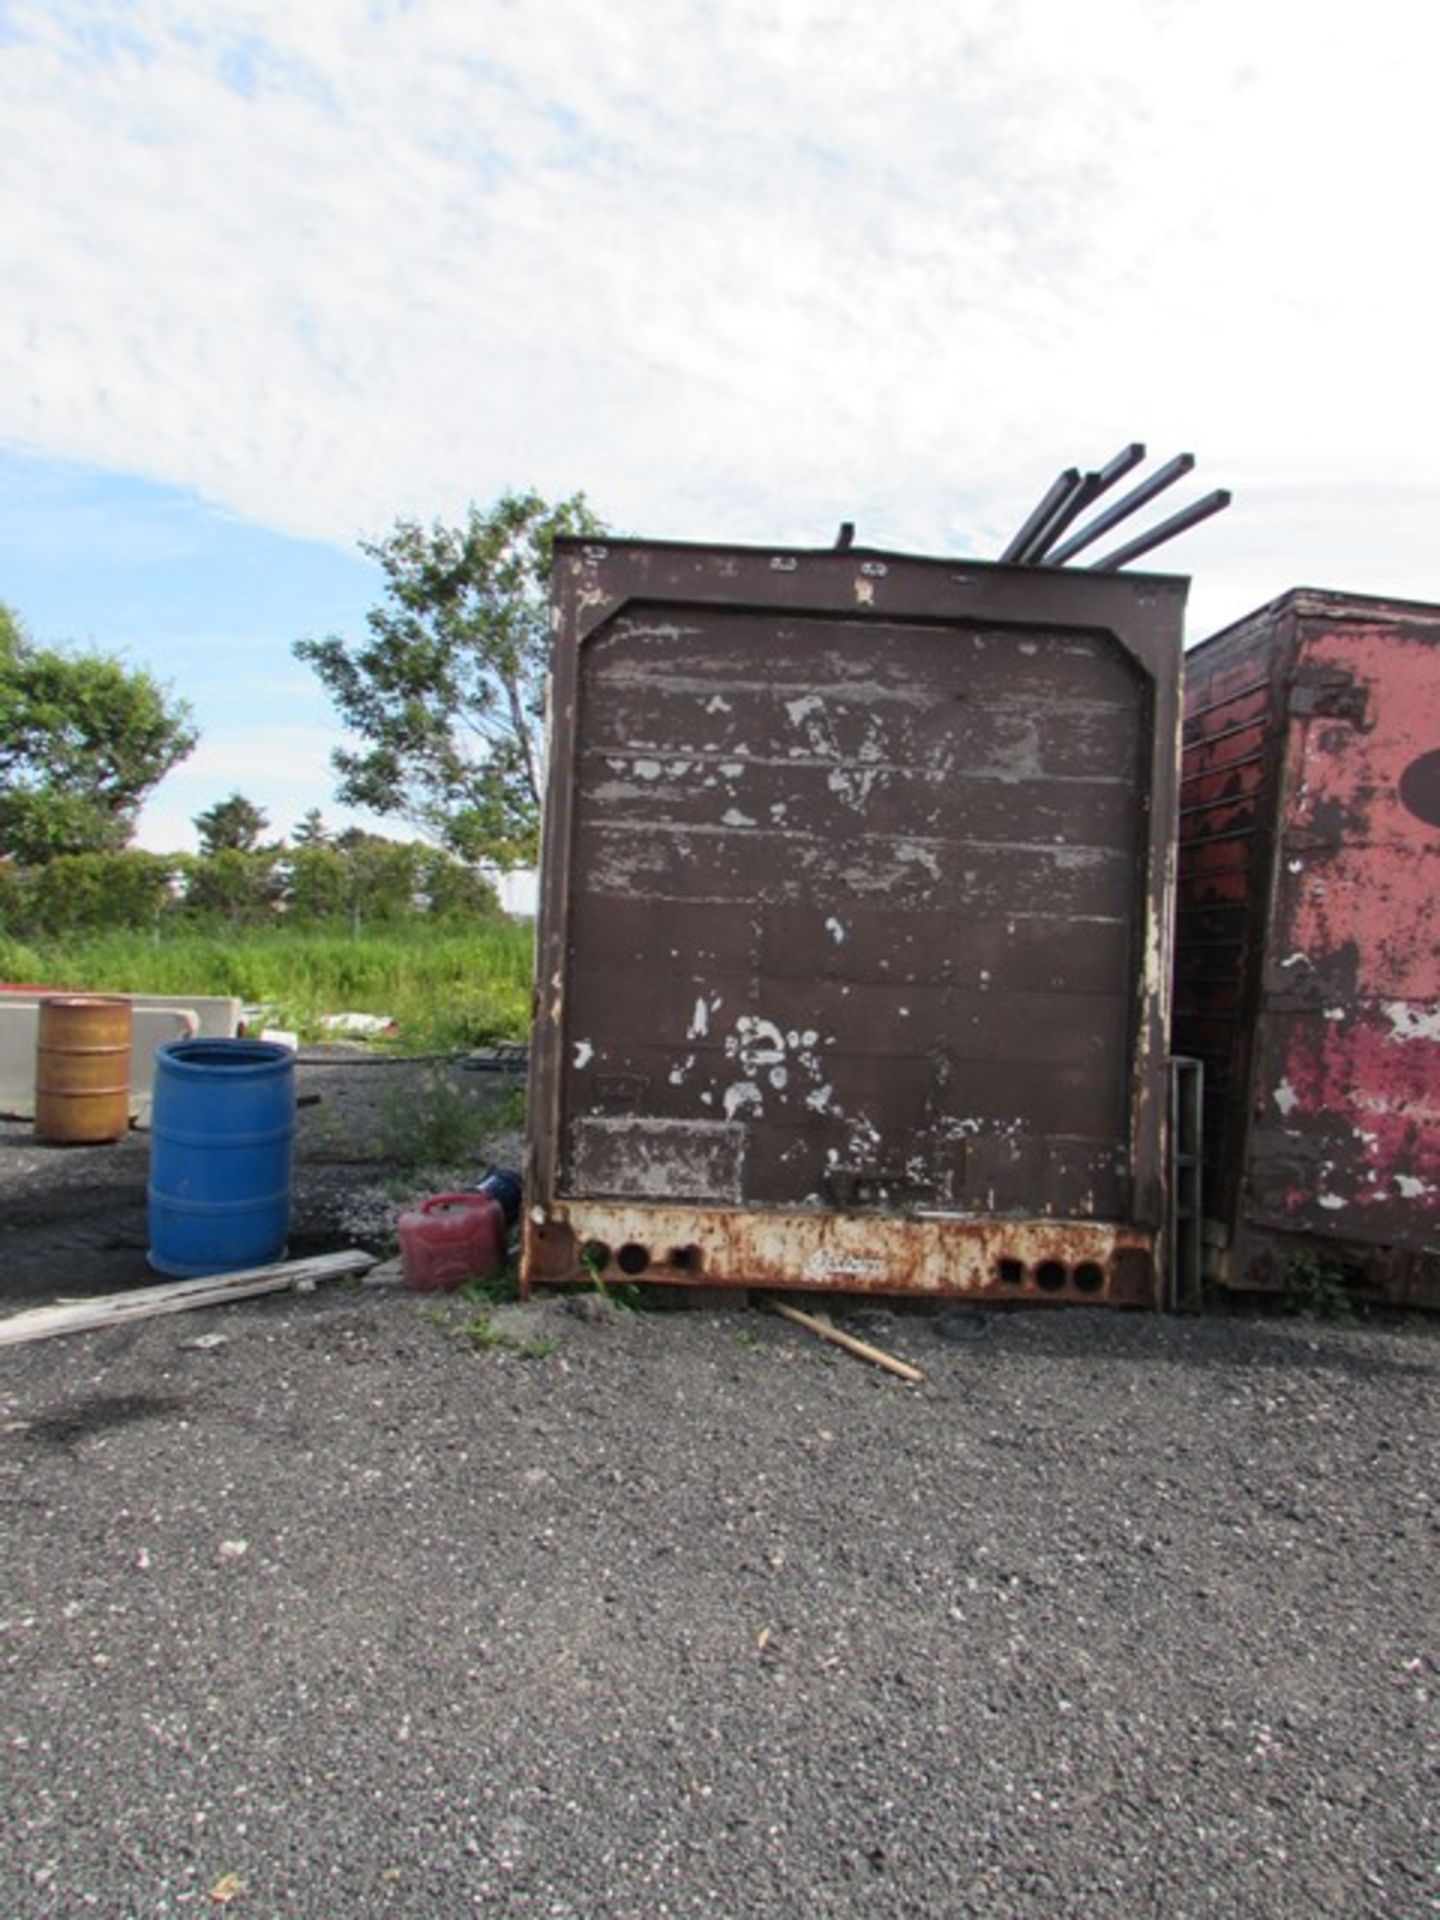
[[316, 1602]]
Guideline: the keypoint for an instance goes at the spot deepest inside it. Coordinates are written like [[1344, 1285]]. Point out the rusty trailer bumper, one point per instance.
[[1082, 1261]]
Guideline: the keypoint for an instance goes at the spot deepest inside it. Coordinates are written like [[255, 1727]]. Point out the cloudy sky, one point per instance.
[[274, 274]]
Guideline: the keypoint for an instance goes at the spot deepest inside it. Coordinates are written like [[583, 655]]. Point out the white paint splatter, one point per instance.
[[798, 710], [1286, 1098], [1412, 1019], [584, 1054], [1332, 1202], [732, 769], [699, 1021], [819, 1101], [1409, 1188], [718, 704], [648, 769], [852, 784], [760, 1042], [733, 817], [835, 930], [778, 1078], [744, 1093], [923, 856]]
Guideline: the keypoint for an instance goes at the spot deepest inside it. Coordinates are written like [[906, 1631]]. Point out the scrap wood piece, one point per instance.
[[178, 1296], [877, 1356]]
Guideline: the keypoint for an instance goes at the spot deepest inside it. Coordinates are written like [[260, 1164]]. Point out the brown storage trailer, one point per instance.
[[854, 943], [1308, 965]]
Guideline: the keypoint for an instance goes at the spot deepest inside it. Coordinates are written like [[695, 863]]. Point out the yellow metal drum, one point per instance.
[[82, 1069]]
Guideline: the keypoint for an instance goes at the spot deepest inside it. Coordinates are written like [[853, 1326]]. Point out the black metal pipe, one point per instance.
[[1059, 492], [1089, 490], [1127, 504], [1167, 530], [1116, 469], [1066, 509]]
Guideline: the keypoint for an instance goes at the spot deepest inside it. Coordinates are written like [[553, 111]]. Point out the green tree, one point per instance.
[[317, 882], [233, 883], [311, 831], [382, 878], [86, 893], [447, 691], [233, 825], [83, 739], [452, 889]]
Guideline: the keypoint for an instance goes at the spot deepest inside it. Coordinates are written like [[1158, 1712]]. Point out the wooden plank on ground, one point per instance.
[[177, 1296], [862, 1349]]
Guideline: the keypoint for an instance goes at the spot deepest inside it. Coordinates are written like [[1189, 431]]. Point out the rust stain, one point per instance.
[[848, 1252]]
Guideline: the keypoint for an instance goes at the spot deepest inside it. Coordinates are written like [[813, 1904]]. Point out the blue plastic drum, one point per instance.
[[221, 1133]]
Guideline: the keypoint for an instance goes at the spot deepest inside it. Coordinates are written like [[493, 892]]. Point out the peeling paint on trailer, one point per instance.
[[856, 910], [1308, 962]]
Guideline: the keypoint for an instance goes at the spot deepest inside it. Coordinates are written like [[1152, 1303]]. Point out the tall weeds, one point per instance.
[[444, 987]]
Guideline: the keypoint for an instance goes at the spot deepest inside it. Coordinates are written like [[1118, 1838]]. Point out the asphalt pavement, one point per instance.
[[328, 1606]]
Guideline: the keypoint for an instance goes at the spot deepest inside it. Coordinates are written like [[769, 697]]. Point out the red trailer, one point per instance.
[[1308, 975]]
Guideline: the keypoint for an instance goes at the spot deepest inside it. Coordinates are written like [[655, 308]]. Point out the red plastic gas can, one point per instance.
[[450, 1238]]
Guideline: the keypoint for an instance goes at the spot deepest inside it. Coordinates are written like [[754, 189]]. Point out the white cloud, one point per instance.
[[283, 767], [740, 270]]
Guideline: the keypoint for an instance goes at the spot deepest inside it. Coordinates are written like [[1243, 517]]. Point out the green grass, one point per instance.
[[445, 988], [481, 1332]]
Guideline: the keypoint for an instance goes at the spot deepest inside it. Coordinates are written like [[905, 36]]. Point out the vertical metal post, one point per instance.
[[1184, 1290]]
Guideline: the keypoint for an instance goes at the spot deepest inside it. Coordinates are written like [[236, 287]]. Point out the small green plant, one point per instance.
[[19, 962], [1316, 1288], [592, 1259], [493, 1289], [751, 1342], [480, 1330], [434, 1125], [508, 1114]]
